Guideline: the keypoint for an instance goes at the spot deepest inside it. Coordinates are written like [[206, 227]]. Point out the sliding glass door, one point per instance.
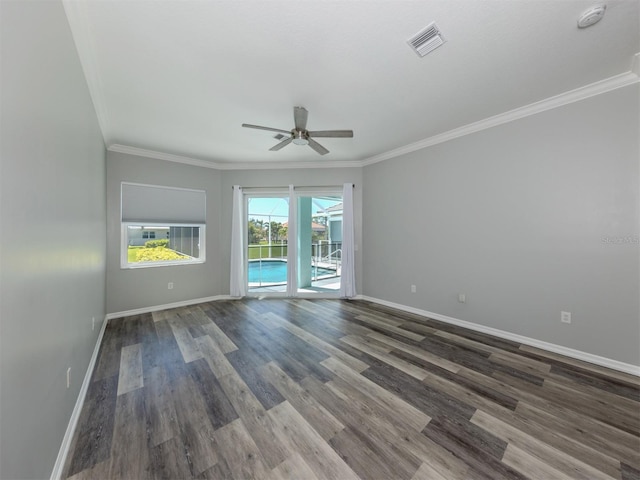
[[267, 224], [319, 240], [316, 231]]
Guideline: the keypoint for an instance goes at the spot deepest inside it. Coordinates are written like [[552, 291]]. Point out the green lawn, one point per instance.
[[277, 251], [132, 254], [157, 254]]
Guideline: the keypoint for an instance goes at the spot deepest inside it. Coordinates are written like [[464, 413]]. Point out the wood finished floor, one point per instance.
[[324, 389]]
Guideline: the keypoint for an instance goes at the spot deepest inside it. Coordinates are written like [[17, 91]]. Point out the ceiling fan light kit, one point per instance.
[[299, 138], [299, 135]]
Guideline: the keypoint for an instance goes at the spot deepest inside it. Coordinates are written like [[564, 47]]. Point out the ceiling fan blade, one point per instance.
[[332, 133], [247, 125], [283, 143], [300, 115], [317, 147]]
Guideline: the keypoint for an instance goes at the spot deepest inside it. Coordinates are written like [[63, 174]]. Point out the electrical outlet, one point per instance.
[[68, 377], [170, 286], [413, 289], [565, 317], [462, 298]]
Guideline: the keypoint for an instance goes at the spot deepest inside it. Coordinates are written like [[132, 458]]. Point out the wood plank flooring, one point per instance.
[[328, 389]]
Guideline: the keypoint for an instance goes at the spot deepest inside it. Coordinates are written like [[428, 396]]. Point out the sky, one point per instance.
[[278, 208]]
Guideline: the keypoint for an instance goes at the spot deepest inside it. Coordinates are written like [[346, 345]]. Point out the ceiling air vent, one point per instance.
[[280, 136], [426, 40]]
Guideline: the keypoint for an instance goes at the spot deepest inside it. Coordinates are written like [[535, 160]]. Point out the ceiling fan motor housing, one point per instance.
[[300, 137]]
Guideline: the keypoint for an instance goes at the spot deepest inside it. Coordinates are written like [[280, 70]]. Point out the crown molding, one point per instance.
[[290, 165], [618, 81], [582, 93], [169, 157]]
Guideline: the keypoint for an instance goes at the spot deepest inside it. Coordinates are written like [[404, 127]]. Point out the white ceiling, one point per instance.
[[180, 77]]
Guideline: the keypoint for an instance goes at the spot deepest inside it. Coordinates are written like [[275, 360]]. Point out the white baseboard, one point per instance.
[[155, 308], [186, 303], [56, 474], [550, 347], [559, 349]]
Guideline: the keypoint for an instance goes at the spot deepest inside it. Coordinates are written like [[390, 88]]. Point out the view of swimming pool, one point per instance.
[[275, 271]]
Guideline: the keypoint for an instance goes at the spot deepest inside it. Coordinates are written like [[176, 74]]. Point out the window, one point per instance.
[[162, 226], [317, 233]]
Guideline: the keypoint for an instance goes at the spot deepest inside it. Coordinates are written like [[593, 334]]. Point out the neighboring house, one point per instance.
[[531, 212], [332, 218], [181, 239], [334, 222], [138, 236], [315, 227]]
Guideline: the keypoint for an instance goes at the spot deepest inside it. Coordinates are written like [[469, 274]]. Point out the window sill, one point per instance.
[[141, 265]]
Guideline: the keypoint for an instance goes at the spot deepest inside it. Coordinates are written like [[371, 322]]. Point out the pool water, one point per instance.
[[275, 271]]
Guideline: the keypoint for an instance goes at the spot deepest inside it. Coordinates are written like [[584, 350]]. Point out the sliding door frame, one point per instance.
[[292, 235]]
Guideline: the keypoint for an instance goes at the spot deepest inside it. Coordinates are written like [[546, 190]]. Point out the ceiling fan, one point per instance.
[[300, 135]]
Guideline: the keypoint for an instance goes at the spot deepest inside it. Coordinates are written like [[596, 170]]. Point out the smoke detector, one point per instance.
[[591, 16]]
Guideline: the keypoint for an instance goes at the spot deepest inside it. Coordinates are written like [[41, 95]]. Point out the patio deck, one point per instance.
[[326, 285]]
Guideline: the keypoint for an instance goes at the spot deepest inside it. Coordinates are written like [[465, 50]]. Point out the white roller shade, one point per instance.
[[166, 205]]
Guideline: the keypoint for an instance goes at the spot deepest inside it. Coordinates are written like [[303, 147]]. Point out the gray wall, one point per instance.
[[124, 286], [52, 213], [129, 289], [515, 217], [302, 177]]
